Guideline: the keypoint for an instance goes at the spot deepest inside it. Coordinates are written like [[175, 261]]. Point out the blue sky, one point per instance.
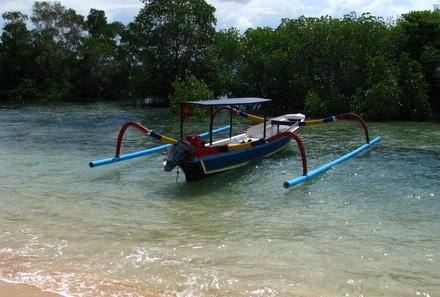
[[243, 14]]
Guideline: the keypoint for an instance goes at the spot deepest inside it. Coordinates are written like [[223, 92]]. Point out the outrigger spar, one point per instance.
[[199, 159]]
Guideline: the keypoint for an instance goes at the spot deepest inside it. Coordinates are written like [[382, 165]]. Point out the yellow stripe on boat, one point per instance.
[[168, 140], [239, 146], [255, 118], [314, 122]]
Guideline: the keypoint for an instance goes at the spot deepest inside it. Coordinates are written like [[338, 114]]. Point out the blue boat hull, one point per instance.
[[200, 168]]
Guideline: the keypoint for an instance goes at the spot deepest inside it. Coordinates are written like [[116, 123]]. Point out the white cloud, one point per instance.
[[113, 8], [20, 5], [385, 8], [253, 13], [382, 8], [260, 13], [422, 4]]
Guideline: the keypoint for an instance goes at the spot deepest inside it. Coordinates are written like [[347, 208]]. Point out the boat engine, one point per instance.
[[183, 151]]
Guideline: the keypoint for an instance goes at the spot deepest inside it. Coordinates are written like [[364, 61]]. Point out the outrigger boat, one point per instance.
[[199, 159]]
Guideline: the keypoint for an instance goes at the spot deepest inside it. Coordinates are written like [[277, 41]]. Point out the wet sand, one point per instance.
[[21, 290]]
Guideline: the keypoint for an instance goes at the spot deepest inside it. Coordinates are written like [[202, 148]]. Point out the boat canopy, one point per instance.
[[230, 101], [222, 102]]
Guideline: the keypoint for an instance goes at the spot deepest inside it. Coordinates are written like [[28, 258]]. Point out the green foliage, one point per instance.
[[97, 25], [381, 101], [314, 106], [381, 69], [224, 56], [324, 54], [420, 38], [190, 89], [103, 69], [15, 54], [413, 101], [420, 29], [173, 37], [41, 60], [25, 91], [357, 102], [55, 23]]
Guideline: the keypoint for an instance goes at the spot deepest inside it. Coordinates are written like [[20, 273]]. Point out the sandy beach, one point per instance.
[[21, 290]]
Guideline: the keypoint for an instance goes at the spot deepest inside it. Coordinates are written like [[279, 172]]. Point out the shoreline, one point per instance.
[[23, 290]]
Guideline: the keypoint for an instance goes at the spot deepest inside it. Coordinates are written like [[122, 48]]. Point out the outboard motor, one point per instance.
[[184, 151]]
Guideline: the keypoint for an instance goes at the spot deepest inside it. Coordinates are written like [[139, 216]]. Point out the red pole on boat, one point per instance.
[[122, 132], [300, 146], [343, 116], [143, 129], [307, 175], [329, 165], [146, 151], [361, 120]]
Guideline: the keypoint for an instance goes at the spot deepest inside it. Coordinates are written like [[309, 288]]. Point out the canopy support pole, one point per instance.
[[265, 119], [211, 120], [182, 115], [230, 122]]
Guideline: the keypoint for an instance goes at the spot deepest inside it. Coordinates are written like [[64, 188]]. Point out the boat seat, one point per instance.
[[279, 123]]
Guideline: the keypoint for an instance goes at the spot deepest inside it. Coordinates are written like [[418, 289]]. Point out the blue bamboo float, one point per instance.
[[147, 151], [327, 166]]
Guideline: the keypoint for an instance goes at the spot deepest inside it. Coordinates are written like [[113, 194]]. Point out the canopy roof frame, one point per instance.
[[223, 102], [230, 101]]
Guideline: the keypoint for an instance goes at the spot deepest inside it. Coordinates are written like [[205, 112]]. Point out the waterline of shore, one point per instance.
[[22, 290]]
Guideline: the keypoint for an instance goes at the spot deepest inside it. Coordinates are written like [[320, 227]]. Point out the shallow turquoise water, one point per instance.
[[368, 227]]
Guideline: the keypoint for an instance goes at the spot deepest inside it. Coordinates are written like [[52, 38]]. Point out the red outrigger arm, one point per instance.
[[307, 175], [343, 116], [300, 146], [136, 154], [143, 129], [358, 118]]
